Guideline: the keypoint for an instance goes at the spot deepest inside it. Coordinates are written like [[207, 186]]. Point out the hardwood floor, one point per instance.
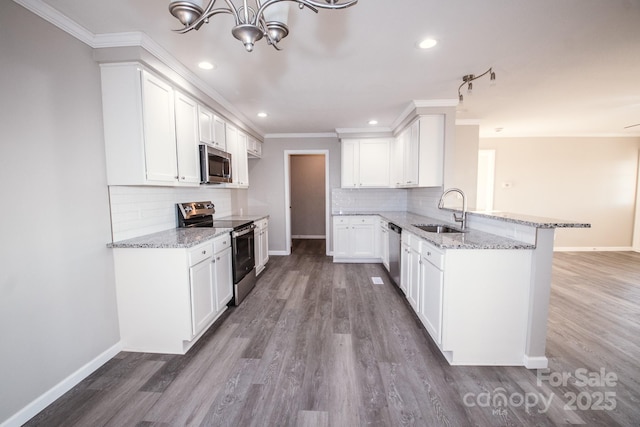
[[318, 344]]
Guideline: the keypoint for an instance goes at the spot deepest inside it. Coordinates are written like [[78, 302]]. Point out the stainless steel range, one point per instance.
[[200, 214]]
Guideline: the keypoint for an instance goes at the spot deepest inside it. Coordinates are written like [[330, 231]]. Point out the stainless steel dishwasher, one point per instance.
[[394, 253]]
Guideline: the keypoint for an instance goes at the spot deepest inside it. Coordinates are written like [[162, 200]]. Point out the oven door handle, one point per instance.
[[244, 231]]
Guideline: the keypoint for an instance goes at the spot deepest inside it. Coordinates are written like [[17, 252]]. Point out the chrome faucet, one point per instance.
[[462, 219]]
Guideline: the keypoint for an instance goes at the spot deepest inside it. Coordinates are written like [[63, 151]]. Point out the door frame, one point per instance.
[[287, 197], [636, 224]]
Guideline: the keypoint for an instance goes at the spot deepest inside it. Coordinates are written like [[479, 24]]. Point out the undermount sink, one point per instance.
[[437, 228]]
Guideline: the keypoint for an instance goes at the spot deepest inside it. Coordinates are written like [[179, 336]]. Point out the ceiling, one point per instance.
[[564, 68]]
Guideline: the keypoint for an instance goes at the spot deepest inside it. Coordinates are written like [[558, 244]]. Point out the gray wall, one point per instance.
[[308, 212], [57, 293], [266, 177]]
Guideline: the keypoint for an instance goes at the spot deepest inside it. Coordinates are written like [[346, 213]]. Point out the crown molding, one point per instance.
[[424, 103], [300, 135], [56, 18], [129, 39]]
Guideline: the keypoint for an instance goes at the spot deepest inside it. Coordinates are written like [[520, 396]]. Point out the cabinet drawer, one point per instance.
[[362, 220], [433, 255], [200, 253], [341, 220], [221, 243]]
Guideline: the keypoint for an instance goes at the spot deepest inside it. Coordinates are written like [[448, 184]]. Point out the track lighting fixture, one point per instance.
[[468, 80]]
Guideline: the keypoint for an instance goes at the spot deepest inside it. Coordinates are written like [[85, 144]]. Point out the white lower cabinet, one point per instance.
[[261, 234], [431, 290], [473, 302], [168, 297], [410, 268], [354, 238], [223, 278], [383, 243]]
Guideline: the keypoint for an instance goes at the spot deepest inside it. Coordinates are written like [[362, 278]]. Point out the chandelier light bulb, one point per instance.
[[470, 88]]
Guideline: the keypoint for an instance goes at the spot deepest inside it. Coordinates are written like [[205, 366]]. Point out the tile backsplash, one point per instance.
[[345, 200], [136, 211]]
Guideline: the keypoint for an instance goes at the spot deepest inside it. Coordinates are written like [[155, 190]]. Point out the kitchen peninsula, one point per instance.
[[482, 295]]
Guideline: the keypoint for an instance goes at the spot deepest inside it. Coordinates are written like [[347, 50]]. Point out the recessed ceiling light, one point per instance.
[[373, 122], [206, 65], [427, 43], [262, 114]]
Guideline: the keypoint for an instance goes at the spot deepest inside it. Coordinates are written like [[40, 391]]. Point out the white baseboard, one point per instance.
[[310, 236], [594, 249], [539, 362], [279, 253], [47, 398]]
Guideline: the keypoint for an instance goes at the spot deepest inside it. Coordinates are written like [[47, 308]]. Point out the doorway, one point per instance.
[[307, 196], [486, 179]]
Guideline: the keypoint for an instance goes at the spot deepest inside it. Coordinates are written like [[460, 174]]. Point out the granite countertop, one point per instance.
[[181, 237], [534, 221], [471, 239]]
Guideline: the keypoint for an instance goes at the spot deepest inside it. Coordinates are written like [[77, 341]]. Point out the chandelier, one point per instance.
[[254, 18], [469, 78]]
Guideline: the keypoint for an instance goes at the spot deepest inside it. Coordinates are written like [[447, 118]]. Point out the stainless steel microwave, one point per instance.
[[215, 165]]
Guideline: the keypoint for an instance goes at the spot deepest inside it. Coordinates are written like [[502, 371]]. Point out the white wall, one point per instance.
[[57, 294], [583, 179]]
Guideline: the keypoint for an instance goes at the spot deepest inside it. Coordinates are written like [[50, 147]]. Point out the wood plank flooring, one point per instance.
[[318, 344]]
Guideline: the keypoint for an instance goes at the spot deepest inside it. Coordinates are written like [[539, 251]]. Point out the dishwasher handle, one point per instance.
[[395, 228]]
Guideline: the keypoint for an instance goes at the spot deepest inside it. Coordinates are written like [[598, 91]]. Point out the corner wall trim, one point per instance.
[[536, 362], [48, 397]]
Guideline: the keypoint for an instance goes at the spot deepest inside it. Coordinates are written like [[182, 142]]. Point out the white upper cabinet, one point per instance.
[[254, 148], [365, 163], [211, 128], [159, 129], [139, 111], [418, 154], [237, 146], [186, 112]]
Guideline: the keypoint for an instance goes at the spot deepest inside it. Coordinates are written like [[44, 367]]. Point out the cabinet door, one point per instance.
[[340, 239], [159, 129], [205, 124], [363, 240], [384, 244], [405, 267], [350, 163], [264, 244], [411, 153], [397, 166], [431, 136], [374, 163], [431, 290], [223, 278], [219, 133], [232, 144], [413, 281], [186, 110], [202, 295], [242, 160]]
